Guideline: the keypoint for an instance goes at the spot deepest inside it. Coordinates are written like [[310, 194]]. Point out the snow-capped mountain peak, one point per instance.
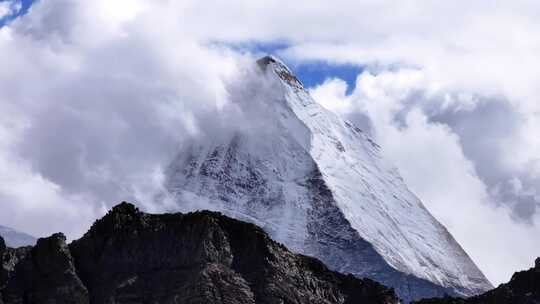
[[280, 69], [319, 185]]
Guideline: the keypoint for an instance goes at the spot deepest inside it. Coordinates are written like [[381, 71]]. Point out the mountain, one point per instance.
[[203, 257], [320, 185], [15, 238], [523, 288]]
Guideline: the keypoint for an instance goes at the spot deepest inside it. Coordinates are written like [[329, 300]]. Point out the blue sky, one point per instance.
[[310, 72], [314, 73], [25, 5]]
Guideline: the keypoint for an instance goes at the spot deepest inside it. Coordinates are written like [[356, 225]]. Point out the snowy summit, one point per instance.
[[320, 185]]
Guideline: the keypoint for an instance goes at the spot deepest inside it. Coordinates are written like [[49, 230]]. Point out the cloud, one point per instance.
[[450, 149], [96, 96], [9, 8], [93, 106]]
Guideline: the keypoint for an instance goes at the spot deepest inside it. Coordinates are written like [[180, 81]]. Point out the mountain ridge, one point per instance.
[[523, 288], [203, 257]]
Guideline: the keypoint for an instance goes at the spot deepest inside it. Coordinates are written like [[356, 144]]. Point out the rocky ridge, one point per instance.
[[203, 257], [523, 288]]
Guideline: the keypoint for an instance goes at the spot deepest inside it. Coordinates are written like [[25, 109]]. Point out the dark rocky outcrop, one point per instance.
[[2, 245], [202, 257], [41, 274], [523, 288]]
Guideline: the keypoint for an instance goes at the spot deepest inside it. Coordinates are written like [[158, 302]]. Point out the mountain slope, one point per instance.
[[204, 257], [523, 288], [15, 238], [319, 185]]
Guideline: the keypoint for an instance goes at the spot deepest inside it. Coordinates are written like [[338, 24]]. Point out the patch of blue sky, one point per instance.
[[23, 9], [311, 72]]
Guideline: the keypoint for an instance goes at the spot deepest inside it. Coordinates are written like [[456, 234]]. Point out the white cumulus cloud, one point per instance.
[[405, 112], [97, 95]]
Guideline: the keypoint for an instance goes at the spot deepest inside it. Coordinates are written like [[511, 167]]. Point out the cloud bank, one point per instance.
[[96, 96], [452, 159], [93, 106]]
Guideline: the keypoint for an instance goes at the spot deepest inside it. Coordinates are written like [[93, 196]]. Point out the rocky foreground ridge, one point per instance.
[[523, 288], [203, 257]]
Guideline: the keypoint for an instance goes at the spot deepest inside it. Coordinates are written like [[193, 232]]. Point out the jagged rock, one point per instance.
[[42, 274], [2, 245], [2, 249], [523, 288], [204, 257]]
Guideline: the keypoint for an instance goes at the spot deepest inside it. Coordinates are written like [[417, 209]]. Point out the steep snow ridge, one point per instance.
[[319, 185], [15, 238], [254, 175], [377, 203]]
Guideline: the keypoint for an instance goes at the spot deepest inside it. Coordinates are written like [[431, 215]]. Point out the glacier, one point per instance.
[[320, 185]]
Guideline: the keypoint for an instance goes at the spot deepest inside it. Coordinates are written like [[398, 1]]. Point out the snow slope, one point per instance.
[[319, 185], [15, 238]]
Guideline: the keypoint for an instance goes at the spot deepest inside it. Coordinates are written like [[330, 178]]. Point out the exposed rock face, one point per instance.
[[203, 257], [42, 274], [523, 288]]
